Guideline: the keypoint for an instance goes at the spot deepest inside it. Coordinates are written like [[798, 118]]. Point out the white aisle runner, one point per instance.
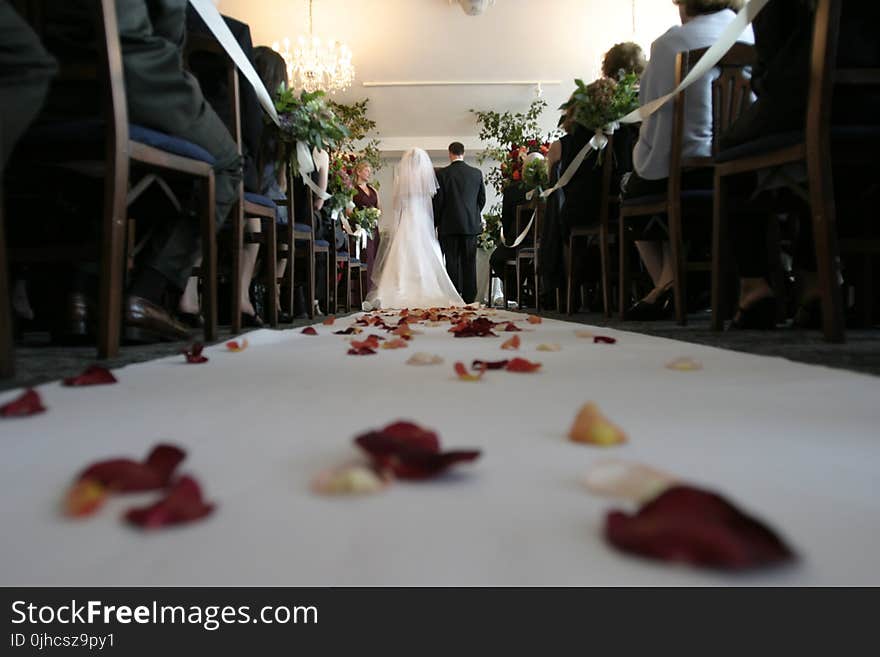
[[795, 445]]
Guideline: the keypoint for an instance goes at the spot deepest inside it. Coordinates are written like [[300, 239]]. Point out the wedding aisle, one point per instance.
[[794, 445]]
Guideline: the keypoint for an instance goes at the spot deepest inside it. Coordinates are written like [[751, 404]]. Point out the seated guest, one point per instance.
[[160, 95], [703, 21], [212, 74], [579, 202]]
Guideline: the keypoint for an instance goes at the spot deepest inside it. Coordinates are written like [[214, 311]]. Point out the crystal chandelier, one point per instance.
[[315, 65]]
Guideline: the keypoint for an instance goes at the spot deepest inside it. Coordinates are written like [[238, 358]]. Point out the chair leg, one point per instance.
[[677, 246], [537, 283], [348, 287], [825, 235], [310, 297], [272, 270], [605, 259], [209, 260], [518, 286], [7, 354], [623, 277], [719, 254], [112, 265], [868, 290], [237, 245], [569, 276]]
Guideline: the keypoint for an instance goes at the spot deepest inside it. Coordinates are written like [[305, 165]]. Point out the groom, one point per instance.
[[457, 207]]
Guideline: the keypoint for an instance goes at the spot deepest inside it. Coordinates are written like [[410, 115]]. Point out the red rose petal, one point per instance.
[[522, 365], [398, 435], [462, 372], [512, 344], [84, 498], [511, 327], [351, 330], [362, 351], [414, 464], [126, 475], [690, 525], [235, 346], [92, 376], [29, 403], [489, 365], [194, 354], [604, 339], [309, 330], [183, 503]]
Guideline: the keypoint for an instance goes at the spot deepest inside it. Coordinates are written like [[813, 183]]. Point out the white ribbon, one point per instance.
[[360, 235], [522, 235], [707, 62], [306, 165], [220, 30]]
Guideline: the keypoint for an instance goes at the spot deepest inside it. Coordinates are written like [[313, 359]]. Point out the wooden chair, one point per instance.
[[127, 148], [357, 267], [815, 147], [343, 260], [600, 231], [731, 93], [529, 251]]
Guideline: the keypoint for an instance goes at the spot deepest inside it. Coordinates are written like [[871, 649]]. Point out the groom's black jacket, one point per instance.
[[459, 200]]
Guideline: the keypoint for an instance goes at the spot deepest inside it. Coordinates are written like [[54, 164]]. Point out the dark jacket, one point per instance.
[[459, 200]]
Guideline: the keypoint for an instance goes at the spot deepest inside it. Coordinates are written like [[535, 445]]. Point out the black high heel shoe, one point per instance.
[[648, 311], [760, 316]]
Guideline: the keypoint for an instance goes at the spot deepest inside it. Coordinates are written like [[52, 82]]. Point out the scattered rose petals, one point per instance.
[[235, 346], [489, 365], [625, 480], [477, 328], [593, 428], [521, 365], [684, 364], [127, 475], [194, 354], [534, 319], [404, 332], [93, 375], [511, 327], [309, 330], [349, 480], [329, 321], [424, 358], [28, 403], [370, 342], [410, 452], [462, 372], [511, 344], [84, 498], [183, 504], [361, 351], [686, 524], [398, 343], [351, 330], [604, 339], [549, 347]]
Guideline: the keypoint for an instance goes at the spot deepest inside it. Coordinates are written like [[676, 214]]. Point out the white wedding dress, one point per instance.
[[409, 271]]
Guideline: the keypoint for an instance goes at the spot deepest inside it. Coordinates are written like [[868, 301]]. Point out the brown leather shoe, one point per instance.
[[144, 321]]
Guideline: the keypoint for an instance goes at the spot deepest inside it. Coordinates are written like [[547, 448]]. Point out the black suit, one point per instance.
[[457, 207]]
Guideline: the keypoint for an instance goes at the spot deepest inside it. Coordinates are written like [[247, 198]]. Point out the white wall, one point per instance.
[[411, 40]]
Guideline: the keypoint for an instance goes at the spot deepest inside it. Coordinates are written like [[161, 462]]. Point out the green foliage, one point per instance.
[[491, 235], [307, 117], [536, 175], [604, 101], [366, 218], [360, 127]]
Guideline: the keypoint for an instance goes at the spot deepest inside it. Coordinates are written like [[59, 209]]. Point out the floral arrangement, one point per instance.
[[366, 218], [536, 175], [511, 137], [307, 117], [491, 235], [604, 101], [340, 181], [361, 131]]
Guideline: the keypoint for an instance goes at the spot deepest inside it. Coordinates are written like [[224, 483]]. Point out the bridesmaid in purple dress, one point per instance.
[[366, 196]]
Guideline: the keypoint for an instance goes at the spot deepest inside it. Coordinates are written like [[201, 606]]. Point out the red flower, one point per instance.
[[194, 354], [697, 527], [410, 452], [517, 175], [93, 375], [183, 503], [127, 475], [29, 403]]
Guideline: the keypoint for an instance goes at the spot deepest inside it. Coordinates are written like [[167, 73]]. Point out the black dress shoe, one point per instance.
[[192, 320], [74, 325], [284, 317], [760, 316], [145, 321], [651, 311], [252, 321]]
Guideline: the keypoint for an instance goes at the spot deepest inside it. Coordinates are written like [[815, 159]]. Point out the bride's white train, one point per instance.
[[409, 270]]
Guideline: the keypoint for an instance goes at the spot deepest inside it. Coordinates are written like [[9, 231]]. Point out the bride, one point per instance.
[[409, 270]]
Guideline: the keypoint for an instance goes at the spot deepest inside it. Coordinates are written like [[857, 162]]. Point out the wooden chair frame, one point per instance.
[[531, 252]]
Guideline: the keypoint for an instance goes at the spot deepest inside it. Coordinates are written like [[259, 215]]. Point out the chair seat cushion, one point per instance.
[[302, 228], [90, 132], [528, 251], [323, 243], [259, 199]]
